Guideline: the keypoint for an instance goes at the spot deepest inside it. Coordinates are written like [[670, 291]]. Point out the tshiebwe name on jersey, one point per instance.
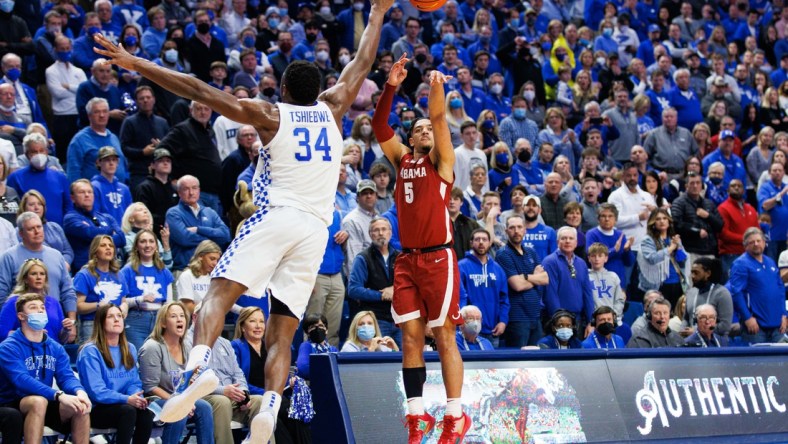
[[310, 116], [413, 173]]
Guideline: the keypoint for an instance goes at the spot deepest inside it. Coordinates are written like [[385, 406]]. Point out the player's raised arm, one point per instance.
[[244, 111], [341, 96], [442, 153], [388, 141]]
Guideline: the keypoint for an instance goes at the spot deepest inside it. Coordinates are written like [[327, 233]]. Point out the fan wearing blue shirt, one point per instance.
[[734, 166], [468, 334], [604, 326]]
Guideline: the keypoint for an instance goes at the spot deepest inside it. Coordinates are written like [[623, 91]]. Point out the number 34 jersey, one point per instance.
[[299, 167], [422, 198]]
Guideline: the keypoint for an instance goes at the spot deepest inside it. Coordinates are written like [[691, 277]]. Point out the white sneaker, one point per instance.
[[194, 384], [261, 428]]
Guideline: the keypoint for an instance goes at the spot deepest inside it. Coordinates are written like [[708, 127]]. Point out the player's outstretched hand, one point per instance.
[[398, 73], [383, 4], [115, 54], [438, 77]]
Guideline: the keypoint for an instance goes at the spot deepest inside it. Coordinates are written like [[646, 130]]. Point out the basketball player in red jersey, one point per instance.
[[426, 277]]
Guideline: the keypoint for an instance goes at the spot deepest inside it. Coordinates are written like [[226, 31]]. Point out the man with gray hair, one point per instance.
[[594, 120], [371, 280], [193, 148], [31, 231], [656, 334], [685, 101], [191, 223], [670, 145], [570, 286], [757, 292], [100, 85], [84, 147], [12, 126], [468, 334], [27, 107], [624, 119], [51, 183], [705, 317]]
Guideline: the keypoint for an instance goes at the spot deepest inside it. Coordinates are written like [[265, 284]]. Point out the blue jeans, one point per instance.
[[727, 263], [212, 201], [389, 329], [521, 333], [202, 419], [764, 335], [139, 324], [84, 332]]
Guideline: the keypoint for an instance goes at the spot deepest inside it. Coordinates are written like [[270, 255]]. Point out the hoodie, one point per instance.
[[28, 368], [108, 385], [111, 197], [486, 287], [606, 290]]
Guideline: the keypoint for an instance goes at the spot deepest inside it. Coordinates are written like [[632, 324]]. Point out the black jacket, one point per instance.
[[158, 197], [688, 224], [194, 152]]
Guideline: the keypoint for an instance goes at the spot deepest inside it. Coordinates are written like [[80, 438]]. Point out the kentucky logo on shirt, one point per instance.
[[148, 285], [603, 291], [109, 291], [115, 199]]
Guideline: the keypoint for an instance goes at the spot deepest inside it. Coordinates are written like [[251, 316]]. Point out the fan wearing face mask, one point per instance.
[[468, 334], [603, 335], [561, 332], [315, 327]]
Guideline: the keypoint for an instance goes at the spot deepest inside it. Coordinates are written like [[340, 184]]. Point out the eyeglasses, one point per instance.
[[705, 318]]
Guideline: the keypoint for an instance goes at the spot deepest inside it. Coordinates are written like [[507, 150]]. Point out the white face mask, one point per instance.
[[472, 327], [325, 10], [39, 161], [358, 6], [321, 56], [496, 89], [366, 130], [529, 95], [344, 59]]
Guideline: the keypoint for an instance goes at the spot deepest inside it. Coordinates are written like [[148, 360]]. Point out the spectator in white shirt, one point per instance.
[[63, 79]]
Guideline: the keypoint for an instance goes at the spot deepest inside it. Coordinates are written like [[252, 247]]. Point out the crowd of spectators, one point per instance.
[[620, 168]]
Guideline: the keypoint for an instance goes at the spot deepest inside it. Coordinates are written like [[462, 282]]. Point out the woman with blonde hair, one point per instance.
[[33, 277], [487, 126], [194, 281], [501, 177], [563, 139], [54, 236], [455, 116], [361, 134], [770, 113], [584, 89], [149, 283], [249, 347], [109, 362], [98, 283], [642, 105], [138, 217], [364, 335], [702, 135], [717, 111], [162, 358], [354, 166]]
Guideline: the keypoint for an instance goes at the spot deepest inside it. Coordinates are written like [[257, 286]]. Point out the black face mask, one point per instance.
[[269, 92], [524, 156], [311, 38], [203, 28], [605, 328], [317, 335], [421, 58], [178, 41]]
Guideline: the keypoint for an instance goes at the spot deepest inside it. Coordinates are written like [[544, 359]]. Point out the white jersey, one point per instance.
[[299, 167]]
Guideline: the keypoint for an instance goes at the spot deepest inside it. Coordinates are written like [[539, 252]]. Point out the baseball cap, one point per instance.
[[727, 133], [365, 185], [690, 54], [720, 81], [105, 152], [653, 28], [161, 152], [532, 198], [530, 11]]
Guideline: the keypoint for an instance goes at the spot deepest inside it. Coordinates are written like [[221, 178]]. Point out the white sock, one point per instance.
[[454, 407], [199, 355], [271, 402], [416, 406]]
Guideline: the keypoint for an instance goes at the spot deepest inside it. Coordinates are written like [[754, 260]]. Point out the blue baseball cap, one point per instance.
[[727, 133], [653, 28]]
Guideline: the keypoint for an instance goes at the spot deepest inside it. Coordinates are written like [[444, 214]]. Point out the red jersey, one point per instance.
[[422, 198]]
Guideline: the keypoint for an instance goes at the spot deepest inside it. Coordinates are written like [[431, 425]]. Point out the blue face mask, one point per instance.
[[366, 332], [483, 39], [7, 6], [249, 41], [514, 23], [130, 40], [547, 46], [283, 11], [13, 74], [406, 124], [583, 42], [563, 334], [37, 321], [93, 30], [273, 23], [607, 32], [423, 101], [715, 180], [447, 38], [488, 124], [519, 113], [455, 103], [560, 57], [502, 159], [64, 56]]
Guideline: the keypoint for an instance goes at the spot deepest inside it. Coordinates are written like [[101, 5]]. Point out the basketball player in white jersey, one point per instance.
[[281, 246]]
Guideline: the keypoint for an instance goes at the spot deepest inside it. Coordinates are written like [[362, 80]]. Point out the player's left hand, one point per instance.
[[115, 54]]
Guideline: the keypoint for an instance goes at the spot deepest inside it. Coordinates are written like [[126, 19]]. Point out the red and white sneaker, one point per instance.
[[450, 435], [419, 427]]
